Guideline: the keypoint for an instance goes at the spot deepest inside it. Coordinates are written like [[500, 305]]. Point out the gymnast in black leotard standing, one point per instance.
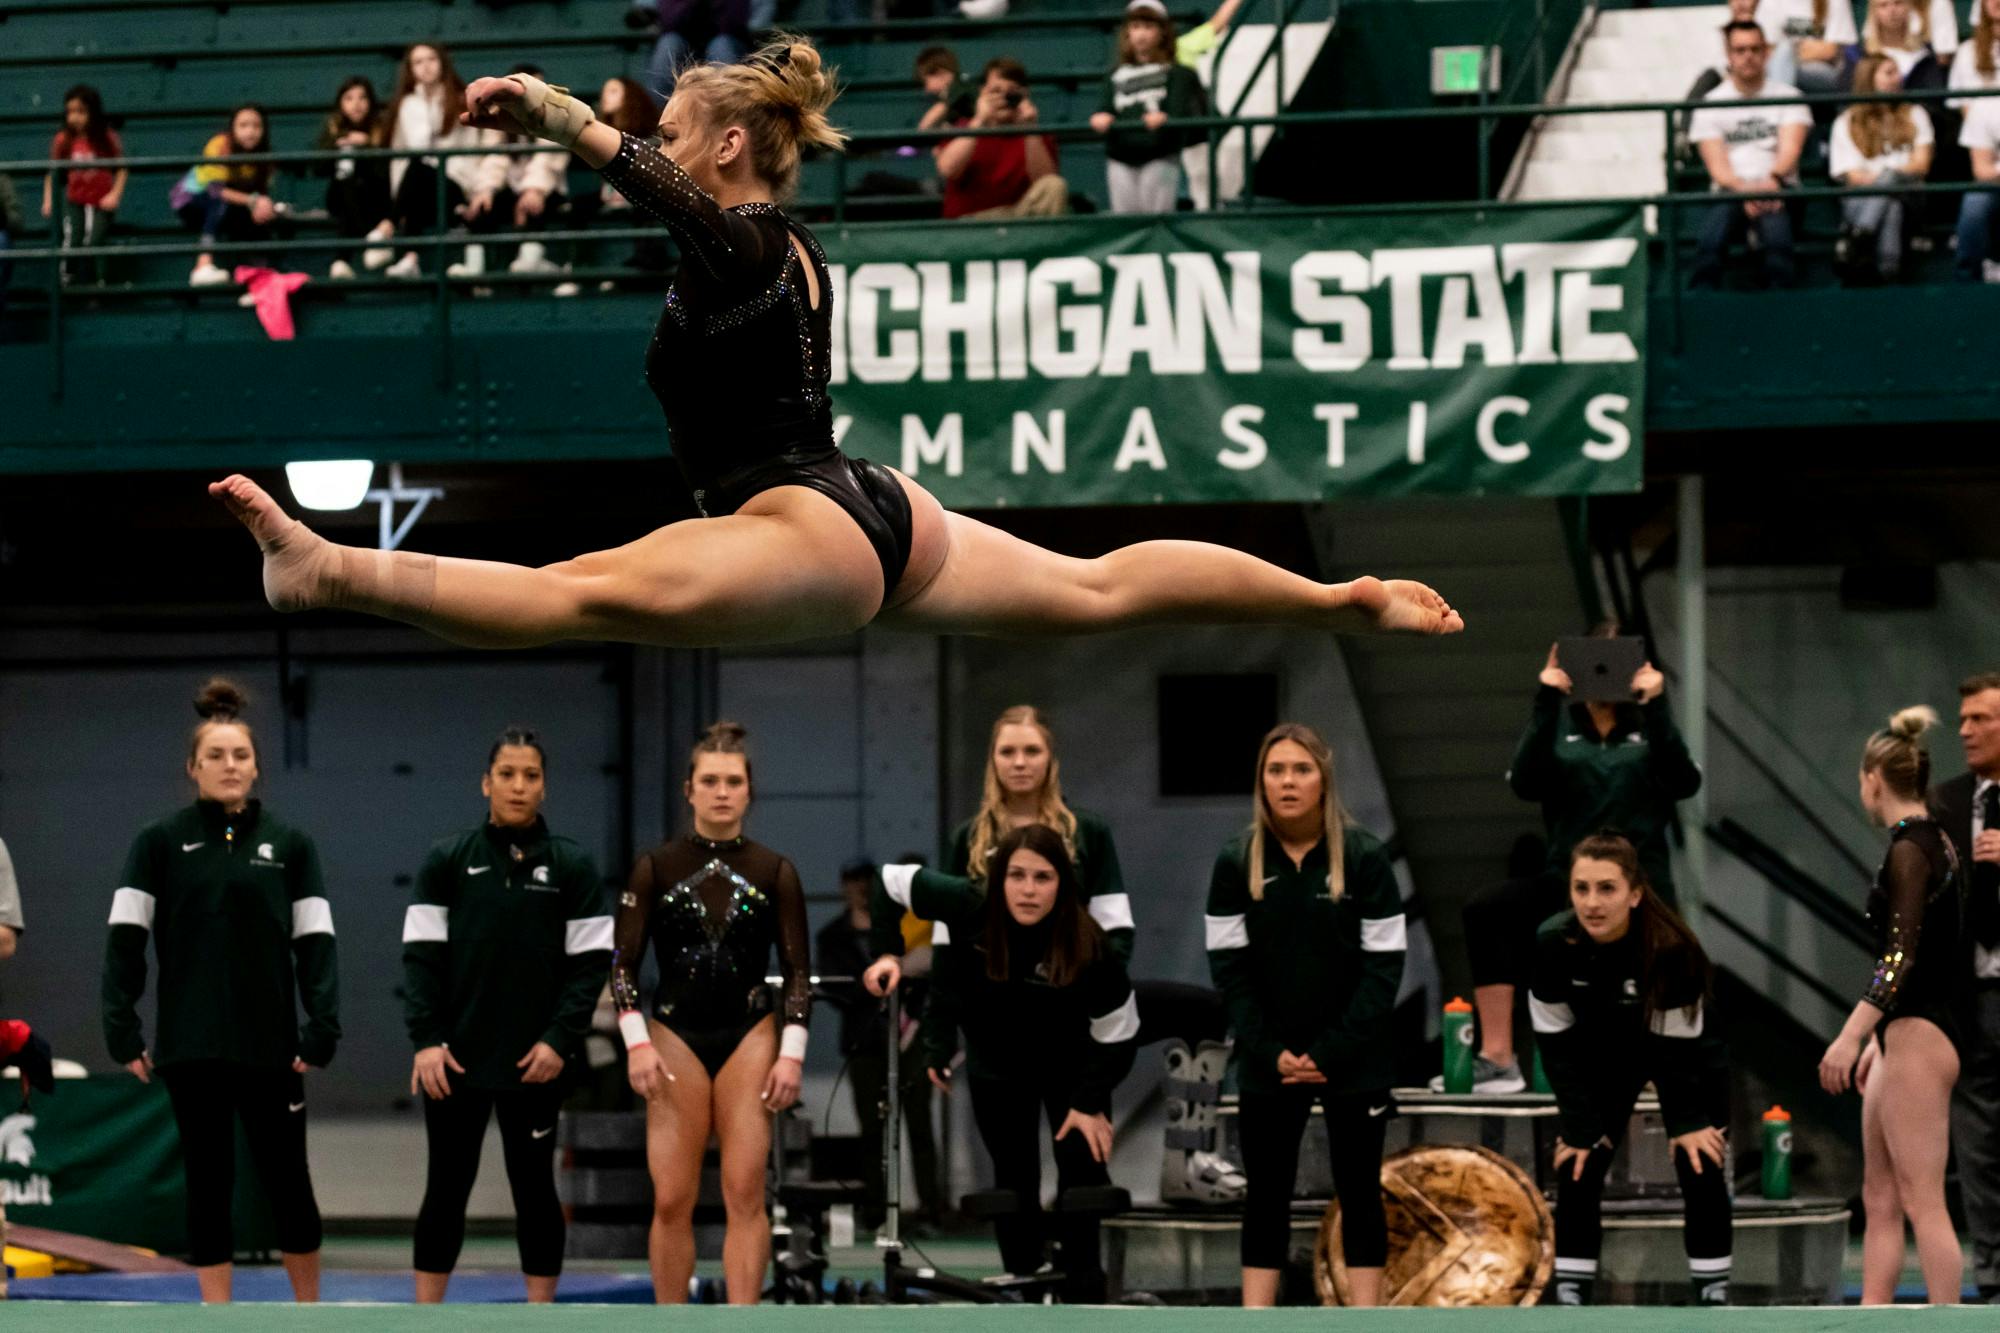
[[710, 1055], [796, 540]]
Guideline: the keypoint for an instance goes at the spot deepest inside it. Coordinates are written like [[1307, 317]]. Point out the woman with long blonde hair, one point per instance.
[[1914, 909], [1879, 144], [1305, 941], [795, 540], [1903, 30], [1976, 63]]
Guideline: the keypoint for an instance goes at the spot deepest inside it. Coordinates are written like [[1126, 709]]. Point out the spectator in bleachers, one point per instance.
[[718, 29], [1877, 143], [1706, 82], [357, 189], [1809, 41], [1976, 64], [1002, 176], [518, 191], [1747, 150], [1199, 40], [1147, 91], [626, 106], [424, 114], [1901, 30], [1980, 136], [90, 197], [228, 201], [953, 99]]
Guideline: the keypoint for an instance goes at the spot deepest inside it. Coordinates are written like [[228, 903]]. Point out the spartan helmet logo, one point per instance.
[[265, 852], [16, 1148], [541, 874]]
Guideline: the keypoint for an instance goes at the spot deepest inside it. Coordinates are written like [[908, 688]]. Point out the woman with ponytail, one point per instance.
[[1619, 999], [709, 1054], [1306, 942], [1906, 1085], [232, 903], [794, 540]]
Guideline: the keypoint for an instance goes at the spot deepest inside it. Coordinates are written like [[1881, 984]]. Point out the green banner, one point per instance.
[[1211, 358]]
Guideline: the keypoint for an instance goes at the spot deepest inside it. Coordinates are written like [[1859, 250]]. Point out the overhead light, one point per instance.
[[338, 483]]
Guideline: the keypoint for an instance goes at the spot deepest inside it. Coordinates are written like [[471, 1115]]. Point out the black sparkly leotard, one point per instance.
[[741, 358], [712, 911], [1915, 904]]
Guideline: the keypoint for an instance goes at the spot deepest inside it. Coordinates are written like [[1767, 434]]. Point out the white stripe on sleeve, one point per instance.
[[1112, 911], [940, 933], [311, 916], [587, 934], [897, 880], [426, 923], [1550, 1018], [1226, 932], [132, 907], [1676, 1023], [1384, 934], [1121, 1024]]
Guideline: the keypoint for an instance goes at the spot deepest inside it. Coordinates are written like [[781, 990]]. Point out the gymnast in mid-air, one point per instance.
[[794, 540]]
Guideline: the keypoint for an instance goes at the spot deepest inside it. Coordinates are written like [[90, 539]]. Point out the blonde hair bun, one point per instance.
[[1910, 723]]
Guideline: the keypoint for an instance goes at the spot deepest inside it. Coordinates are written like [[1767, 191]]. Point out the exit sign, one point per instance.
[[1455, 70]]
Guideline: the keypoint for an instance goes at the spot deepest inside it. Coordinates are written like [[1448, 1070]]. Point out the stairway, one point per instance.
[[1629, 55], [1444, 714]]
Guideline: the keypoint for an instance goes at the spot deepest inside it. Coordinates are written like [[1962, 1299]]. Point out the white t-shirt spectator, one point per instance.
[[1965, 74], [1943, 28], [1982, 125], [1844, 155], [1789, 20], [1749, 132]]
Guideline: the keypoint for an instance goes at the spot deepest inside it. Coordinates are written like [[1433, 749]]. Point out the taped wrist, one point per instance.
[[547, 111], [632, 1027]]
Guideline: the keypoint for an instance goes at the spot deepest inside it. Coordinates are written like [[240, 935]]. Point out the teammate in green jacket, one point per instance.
[[1306, 941], [238, 918], [505, 948]]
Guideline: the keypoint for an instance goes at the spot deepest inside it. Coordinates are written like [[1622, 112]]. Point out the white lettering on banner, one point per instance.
[[1235, 318], [1489, 416], [1141, 444], [970, 316], [836, 352], [946, 447], [1250, 450], [1405, 270], [1537, 262], [1336, 416], [1310, 347], [1141, 319], [1617, 435], [840, 425], [864, 287], [1049, 323], [1051, 448], [1420, 415], [1459, 327], [1010, 303]]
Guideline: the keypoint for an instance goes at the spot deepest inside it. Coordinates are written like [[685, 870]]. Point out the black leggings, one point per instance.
[[456, 1130], [1273, 1123], [417, 203], [1008, 1114], [1500, 925], [1706, 1231], [208, 1097]]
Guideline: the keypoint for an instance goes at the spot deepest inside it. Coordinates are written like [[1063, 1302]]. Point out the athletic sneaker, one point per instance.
[[406, 267], [379, 255], [208, 275], [341, 270], [1489, 1079]]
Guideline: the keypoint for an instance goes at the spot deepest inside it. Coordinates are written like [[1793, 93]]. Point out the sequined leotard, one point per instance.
[[1915, 904], [712, 911], [741, 359]]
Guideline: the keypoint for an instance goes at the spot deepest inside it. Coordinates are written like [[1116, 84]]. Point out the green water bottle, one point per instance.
[[1777, 1153], [1540, 1081], [1458, 1046]]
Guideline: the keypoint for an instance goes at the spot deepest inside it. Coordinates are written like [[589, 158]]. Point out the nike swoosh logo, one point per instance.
[[298, 1106], [541, 1133], [1377, 1111], [1270, 879], [477, 870], [190, 846]]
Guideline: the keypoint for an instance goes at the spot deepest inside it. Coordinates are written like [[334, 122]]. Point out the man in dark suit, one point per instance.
[[1969, 808]]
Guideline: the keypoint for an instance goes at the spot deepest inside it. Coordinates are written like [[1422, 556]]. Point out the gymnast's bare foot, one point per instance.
[[298, 562], [1396, 606]]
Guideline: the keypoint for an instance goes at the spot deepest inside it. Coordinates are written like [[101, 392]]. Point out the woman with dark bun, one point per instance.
[[710, 1055], [232, 902], [794, 540], [1049, 1019], [1905, 1085], [504, 952]]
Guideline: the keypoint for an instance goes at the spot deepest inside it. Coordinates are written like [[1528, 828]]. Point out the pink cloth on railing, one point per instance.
[[273, 292]]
